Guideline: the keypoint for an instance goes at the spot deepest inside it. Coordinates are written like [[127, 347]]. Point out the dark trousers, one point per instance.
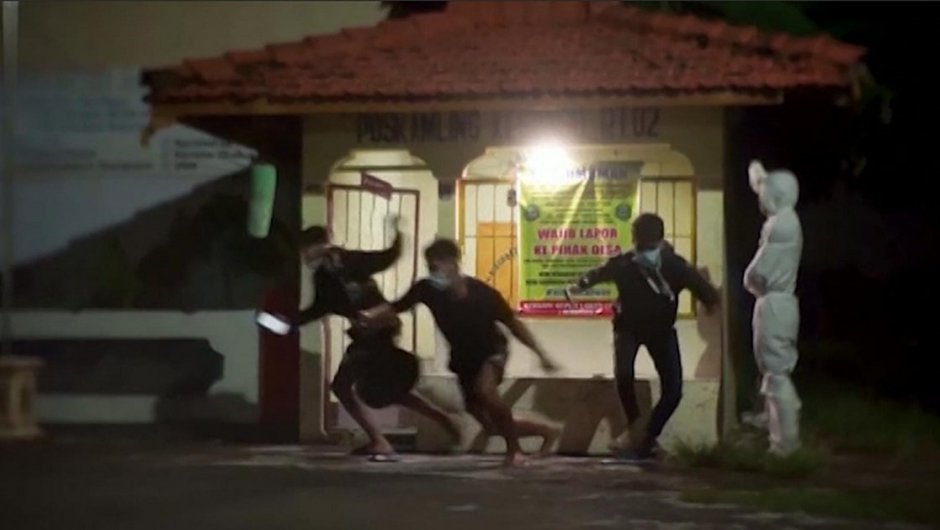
[[664, 349]]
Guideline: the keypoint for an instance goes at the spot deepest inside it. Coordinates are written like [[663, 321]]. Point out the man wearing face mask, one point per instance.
[[771, 278], [467, 311], [343, 286], [649, 280]]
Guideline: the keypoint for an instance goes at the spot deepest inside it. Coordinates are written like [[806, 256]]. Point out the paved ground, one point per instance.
[[128, 484]]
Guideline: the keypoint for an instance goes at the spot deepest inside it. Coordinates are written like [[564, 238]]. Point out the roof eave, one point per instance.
[[266, 107]]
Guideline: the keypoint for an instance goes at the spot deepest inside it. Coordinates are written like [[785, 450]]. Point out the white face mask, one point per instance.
[[440, 281], [651, 257]]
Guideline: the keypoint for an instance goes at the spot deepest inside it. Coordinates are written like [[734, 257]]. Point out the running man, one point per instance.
[[343, 286], [466, 311]]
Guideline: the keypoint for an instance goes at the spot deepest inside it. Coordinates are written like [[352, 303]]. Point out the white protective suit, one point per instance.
[[771, 278]]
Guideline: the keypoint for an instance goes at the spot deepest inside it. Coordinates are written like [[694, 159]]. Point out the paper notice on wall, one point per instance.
[[567, 227]]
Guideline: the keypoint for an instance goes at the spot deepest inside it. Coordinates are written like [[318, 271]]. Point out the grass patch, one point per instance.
[[849, 421], [749, 458], [882, 505]]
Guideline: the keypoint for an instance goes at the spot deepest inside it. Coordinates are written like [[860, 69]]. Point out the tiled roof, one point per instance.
[[511, 49]]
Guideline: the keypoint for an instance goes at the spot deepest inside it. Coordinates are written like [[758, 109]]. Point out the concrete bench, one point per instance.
[[587, 409], [18, 398], [117, 380]]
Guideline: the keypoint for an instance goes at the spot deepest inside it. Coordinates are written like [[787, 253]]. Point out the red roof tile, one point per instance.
[[514, 48]]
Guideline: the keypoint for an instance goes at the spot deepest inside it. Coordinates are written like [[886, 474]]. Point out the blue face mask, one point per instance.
[[651, 258], [440, 281], [650, 262]]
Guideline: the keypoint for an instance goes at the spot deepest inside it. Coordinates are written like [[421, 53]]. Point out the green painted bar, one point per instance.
[[261, 205]]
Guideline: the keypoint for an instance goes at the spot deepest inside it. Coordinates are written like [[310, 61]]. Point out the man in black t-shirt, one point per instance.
[[466, 311], [343, 286]]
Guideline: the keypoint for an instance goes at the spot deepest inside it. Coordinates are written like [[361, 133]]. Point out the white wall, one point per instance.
[[694, 135], [231, 333]]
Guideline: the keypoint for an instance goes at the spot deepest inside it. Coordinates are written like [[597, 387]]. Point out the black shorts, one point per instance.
[[467, 369], [382, 374], [354, 360]]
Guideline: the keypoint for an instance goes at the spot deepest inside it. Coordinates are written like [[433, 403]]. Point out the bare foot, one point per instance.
[[552, 434], [516, 459], [379, 447], [620, 443]]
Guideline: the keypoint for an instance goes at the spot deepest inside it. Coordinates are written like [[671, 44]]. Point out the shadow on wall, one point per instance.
[[191, 253], [122, 367], [709, 329], [582, 407]]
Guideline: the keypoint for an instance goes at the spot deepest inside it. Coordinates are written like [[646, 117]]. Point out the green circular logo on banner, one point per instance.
[[532, 212], [623, 211]]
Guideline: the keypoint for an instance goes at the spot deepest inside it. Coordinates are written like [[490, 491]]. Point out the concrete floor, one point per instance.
[[106, 482]]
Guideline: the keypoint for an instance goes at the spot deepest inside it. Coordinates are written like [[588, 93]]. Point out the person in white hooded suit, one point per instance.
[[771, 277]]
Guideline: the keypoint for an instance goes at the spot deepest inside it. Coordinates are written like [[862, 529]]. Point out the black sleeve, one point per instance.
[[415, 295], [363, 263], [693, 280], [316, 311], [501, 308], [602, 274], [321, 304]]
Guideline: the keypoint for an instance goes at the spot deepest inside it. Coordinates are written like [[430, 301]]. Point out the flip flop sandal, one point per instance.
[[384, 458]]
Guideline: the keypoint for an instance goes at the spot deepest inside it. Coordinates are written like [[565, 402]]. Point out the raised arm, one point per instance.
[[363, 263]]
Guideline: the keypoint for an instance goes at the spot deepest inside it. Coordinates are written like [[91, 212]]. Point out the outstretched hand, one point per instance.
[[550, 366], [571, 291]]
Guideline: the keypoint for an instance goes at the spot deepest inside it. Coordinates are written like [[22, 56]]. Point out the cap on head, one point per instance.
[[648, 231]]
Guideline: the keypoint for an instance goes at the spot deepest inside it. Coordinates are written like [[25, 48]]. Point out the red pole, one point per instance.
[[279, 367]]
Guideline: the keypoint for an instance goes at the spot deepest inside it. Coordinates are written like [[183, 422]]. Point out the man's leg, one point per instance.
[[668, 363], [625, 349], [343, 388], [420, 405], [486, 405]]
